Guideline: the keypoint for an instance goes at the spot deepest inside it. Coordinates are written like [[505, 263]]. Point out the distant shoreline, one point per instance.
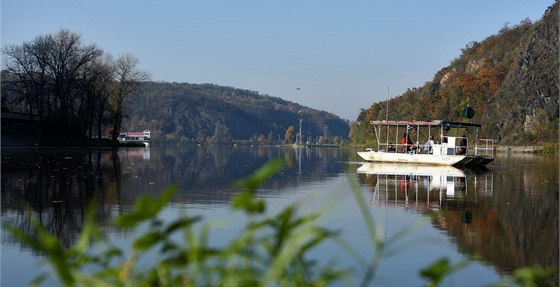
[[519, 149], [9, 140]]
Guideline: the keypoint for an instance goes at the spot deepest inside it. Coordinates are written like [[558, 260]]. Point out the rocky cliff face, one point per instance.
[[510, 79], [528, 99]]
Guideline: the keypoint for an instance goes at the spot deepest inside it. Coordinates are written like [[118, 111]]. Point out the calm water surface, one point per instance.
[[506, 215]]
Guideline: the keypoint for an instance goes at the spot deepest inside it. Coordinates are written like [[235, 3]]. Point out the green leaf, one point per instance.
[[440, 269], [262, 175], [38, 281], [246, 201], [534, 276], [146, 207], [182, 222], [131, 219], [436, 271], [242, 200], [147, 240], [88, 232]]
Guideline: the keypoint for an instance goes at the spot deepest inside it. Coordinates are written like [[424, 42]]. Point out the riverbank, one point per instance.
[[12, 140], [550, 148], [519, 149]]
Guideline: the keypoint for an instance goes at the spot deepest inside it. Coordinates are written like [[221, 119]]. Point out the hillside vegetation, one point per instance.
[[510, 79], [60, 91], [217, 114]]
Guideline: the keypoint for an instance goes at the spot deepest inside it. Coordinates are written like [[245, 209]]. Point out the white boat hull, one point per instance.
[[145, 143], [410, 169], [432, 159], [380, 156]]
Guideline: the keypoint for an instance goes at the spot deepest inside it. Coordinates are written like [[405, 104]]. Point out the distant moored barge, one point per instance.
[[135, 137]]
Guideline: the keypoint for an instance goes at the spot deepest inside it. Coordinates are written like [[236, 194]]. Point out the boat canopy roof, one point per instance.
[[433, 123]]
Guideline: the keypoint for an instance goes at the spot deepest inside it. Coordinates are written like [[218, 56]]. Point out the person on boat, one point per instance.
[[428, 145], [462, 145], [405, 141], [407, 145]]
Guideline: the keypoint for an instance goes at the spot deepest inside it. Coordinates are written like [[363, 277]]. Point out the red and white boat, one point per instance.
[[136, 137]]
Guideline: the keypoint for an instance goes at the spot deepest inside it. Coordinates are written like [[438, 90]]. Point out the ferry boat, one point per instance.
[[135, 137], [453, 146]]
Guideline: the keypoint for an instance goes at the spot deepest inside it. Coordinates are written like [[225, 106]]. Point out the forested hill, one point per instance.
[[207, 112], [510, 79]]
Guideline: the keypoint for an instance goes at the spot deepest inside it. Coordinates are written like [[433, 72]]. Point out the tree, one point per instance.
[[96, 85], [261, 139], [290, 137], [221, 134], [49, 76], [127, 81]]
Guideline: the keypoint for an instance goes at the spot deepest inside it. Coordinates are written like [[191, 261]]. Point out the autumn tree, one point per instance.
[[261, 139], [221, 134], [290, 135]]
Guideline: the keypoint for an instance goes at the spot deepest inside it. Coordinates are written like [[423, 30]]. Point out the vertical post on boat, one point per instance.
[[377, 136], [397, 138], [417, 137], [386, 137], [429, 131], [387, 119], [476, 142], [387, 110]]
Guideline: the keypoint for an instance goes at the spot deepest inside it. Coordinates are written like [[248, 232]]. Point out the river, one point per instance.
[[506, 214]]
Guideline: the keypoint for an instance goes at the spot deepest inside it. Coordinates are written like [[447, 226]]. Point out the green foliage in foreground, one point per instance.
[[269, 250]]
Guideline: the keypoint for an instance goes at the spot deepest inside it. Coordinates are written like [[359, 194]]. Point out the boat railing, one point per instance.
[[448, 146], [398, 148], [386, 147], [485, 147]]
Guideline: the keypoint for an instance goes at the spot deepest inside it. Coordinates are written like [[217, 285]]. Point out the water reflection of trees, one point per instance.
[[205, 173], [527, 208], [58, 185], [508, 218]]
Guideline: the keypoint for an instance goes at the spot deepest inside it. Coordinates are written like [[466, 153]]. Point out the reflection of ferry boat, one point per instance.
[[443, 178], [135, 153], [453, 146], [135, 137], [409, 169], [426, 183]]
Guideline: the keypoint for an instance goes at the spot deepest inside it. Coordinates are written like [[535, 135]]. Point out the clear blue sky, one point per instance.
[[341, 54]]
